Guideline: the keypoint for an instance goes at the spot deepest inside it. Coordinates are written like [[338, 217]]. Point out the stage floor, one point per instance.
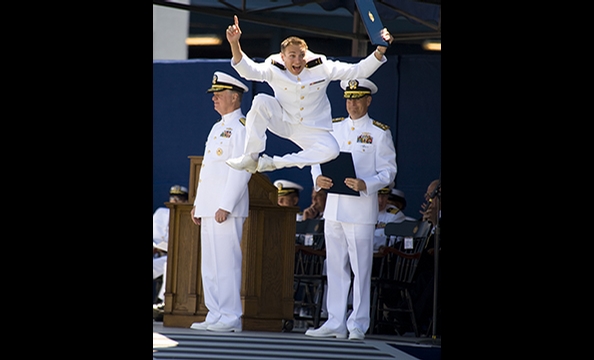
[[185, 343]]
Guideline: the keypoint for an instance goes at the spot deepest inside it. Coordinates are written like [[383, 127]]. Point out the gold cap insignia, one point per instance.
[[353, 84], [215, 78]]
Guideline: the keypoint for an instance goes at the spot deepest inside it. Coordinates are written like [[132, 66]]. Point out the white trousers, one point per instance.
[[221, 269], [160, 268], [348, 246], [318, 145], [159, 265]]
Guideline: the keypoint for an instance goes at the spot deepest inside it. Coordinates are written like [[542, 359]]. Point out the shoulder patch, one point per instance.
[[380, 125], [313, 63], [278, 65], [393, 210], [242, 121], [338, 119]]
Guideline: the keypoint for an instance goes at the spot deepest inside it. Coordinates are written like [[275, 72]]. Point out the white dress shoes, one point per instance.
[[356, 334], [323, 332], [244, 162], [265, 163], [220, 327], [200, 325]]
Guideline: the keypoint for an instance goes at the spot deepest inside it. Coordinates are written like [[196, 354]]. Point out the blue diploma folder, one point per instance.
[[371, 20]]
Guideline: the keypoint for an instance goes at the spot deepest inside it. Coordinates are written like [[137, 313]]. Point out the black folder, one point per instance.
[[371, 20], [339, 169]]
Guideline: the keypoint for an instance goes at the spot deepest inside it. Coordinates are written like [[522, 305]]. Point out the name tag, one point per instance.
[[408, 243], [308, 241]]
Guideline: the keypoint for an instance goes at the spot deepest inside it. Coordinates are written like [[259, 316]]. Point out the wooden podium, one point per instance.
[[268, 250]]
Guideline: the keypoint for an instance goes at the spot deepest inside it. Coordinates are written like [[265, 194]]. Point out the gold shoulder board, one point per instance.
[[338, 119], [242, 121], [380, 125]]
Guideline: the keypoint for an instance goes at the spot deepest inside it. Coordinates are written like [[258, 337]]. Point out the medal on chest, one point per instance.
[[365, 138], [226, 133]]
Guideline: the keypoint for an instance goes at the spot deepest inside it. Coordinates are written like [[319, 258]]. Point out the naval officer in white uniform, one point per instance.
[[350, 220], [300, 110], [388, 213], [177, 194], [220, 208]]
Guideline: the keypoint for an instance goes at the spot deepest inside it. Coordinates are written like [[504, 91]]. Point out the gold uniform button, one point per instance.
[[352, 128], [303, 86], [302, 97], [219, 151], [301, 119], [349, 142], [300, 109], [208, 151]]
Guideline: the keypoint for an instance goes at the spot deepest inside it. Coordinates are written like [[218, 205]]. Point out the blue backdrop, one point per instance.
[[408, 100]]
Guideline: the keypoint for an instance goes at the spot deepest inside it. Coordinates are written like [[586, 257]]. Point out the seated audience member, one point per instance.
[[318, 203], [316, 211], [288, 194], [397, 199], [429, 209], [177, 194], [387, 213], [422, 290]]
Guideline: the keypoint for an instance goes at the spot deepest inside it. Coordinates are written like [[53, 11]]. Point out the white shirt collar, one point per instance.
[[232, 115]]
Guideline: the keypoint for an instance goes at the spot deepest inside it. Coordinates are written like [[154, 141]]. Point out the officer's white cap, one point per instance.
[[398, 192], [222, 81], [356, 88], [384, 190], [398, 195], [178, 190], [286, 187]]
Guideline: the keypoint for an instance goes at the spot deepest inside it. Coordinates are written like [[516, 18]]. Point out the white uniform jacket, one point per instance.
[[391, 214], [374, 156], [160, 225], [220, 186], [304, 97]]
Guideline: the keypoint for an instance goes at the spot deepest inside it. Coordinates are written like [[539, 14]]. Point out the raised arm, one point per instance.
[[233, 35]]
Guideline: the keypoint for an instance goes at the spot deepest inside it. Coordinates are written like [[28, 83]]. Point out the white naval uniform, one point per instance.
[[160, 236], [391, 214], [221, 186], [300, 110], [350, 220]]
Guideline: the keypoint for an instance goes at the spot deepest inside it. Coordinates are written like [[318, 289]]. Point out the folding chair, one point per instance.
[[309, 277], [391, 286]]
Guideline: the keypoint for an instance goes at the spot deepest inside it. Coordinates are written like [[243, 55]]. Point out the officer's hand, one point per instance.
[[324, 182], [355, 184], [194, 219], [310, 213], [221, 215]]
